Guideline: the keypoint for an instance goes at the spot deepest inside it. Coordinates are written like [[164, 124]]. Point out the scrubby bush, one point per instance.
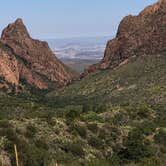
[[136, 146], [76, 128], [76, 149], [144, 112], [87, 108], [4, 142], [109, 132], [160, 137], [98, 162], [95, 142], [161, 118], [33, 155], [82, 131], [120, 119], [152, 161], [93, 127], [30, 131], [92, 117], [41, 143], [72, 115], [100, 108], [4, 124], [147, 127]]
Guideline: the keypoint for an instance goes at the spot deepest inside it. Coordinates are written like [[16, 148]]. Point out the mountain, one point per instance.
[[79, 48], [79, 53], [122, 108], [140, 81], [114, 116], [24, 59], [137, 35]]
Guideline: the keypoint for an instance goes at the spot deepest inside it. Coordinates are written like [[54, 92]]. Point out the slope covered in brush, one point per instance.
[[140, 80]]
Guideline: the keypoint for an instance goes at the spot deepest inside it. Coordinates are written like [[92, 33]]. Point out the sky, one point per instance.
[[69, 18]]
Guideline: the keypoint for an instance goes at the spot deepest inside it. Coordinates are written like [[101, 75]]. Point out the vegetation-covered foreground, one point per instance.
[[112, 117]]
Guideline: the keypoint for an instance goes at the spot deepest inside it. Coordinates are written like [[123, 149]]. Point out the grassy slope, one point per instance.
[[111, 117], [79, 64], [142, 80]]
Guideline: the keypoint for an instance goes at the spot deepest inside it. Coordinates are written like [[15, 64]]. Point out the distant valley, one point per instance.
[[78, 53]]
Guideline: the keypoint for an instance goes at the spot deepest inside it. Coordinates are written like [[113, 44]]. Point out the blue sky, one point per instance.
[[69, 18]]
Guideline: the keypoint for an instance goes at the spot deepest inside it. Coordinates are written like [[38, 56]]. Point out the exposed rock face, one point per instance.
[[23, 58], [137, 35]]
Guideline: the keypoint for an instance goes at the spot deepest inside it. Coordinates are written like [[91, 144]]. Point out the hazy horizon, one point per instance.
[[70, 19]]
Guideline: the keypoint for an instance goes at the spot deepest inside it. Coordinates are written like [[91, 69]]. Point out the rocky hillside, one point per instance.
[[112, 117], [109, 118], [24, 59], [137, 35]]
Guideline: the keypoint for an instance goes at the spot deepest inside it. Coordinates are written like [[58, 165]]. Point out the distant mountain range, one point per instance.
[[79, 53], [79, 48]]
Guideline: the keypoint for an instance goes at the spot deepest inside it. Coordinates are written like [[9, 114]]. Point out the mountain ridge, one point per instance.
[[136, 35], [34, 61]]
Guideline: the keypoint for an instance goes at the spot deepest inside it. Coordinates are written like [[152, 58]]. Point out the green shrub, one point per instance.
[[99, 162], [160, 137], [33, 155], [120, 119], [152, 161], [161, 118], [82, 131], [72, 115], [109, 132], [4, 142], [95, 142], [92, 117], [87, 108], [30, 131], [4, 124], [103, 133], [93, 127], [147, 127], [3, 115], [136, 146], [76, 149], [41, 143], [144, 112]]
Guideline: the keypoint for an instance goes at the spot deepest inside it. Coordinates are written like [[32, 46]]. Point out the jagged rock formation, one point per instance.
[[29, 60], [137, 35]]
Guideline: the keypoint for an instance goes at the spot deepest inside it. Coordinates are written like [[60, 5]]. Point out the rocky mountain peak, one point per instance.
[[136, 36], [19, 21], [15, 30], [152, 8], [35, 62]]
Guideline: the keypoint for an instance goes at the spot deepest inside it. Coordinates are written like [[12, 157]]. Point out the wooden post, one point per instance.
[[2, 162], [16, 154], [56, 164]]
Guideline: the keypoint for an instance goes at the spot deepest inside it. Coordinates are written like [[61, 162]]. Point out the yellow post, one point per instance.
[[16, 154]]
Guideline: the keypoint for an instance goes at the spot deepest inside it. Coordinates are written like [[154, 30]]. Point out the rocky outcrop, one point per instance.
[[32, 61], [137, 35]]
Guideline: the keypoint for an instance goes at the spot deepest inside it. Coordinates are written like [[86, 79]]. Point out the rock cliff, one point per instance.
[[24, 59], [136, 36]]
